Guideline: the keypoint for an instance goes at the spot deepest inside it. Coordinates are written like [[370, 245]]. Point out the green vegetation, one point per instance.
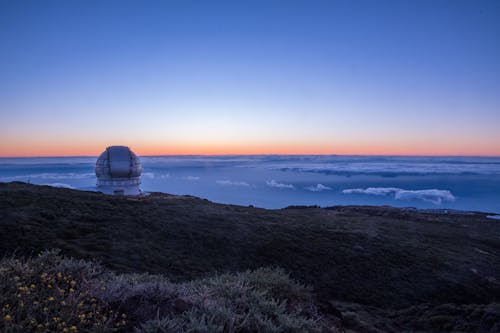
[[370, 268], [50, 293]]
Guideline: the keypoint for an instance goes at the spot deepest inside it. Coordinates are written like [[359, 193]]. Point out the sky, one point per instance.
[[250, 77]]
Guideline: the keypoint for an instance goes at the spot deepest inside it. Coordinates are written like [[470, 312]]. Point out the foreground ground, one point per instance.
[[370, 268]]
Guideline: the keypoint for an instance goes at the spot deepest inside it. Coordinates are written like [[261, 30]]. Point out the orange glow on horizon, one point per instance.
[[158, 149]]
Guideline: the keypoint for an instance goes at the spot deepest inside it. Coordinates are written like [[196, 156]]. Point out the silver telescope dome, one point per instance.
[[118, 171]]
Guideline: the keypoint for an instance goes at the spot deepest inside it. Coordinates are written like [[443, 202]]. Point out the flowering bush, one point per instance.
[[51, 293]]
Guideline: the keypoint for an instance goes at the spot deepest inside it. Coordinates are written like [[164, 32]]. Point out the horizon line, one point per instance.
[[265, 154]]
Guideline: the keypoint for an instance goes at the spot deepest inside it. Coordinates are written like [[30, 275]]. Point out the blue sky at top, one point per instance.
[[395, 77]]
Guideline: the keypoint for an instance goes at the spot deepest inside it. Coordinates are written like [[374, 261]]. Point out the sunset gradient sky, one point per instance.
[[250, 77]]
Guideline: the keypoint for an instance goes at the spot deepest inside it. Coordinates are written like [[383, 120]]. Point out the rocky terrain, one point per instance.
[[371, 269]]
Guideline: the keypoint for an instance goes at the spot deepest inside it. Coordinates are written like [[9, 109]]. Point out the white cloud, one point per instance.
[[192, 178], [318, 188], [274, 183], [149, 175], [231, 183], [55, 176], [372, 190], [153, 175], [69, 175], [60, 185], [432, 195]]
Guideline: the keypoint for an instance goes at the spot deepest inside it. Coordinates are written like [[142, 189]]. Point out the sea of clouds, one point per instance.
[[390, 166], [279, 181], [434, 196], [227, 182]]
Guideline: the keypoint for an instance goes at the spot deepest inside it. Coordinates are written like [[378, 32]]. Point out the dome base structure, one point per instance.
[[117, 186], [118, 171]]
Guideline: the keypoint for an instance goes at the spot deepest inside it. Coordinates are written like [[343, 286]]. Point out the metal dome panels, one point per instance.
[[118, 162]]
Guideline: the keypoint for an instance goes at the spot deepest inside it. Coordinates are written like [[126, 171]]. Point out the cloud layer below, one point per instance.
[[54, 176], [231, 183], [386, 165], [318, 188], [274, 183], [432, 195]]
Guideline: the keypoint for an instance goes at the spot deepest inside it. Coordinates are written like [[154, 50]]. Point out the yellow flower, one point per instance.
[[59, 274], [63, 303], [7, 317], [33, 286], [50, 298], [49, 286], [73, 282], [65, 329], [73, 328]]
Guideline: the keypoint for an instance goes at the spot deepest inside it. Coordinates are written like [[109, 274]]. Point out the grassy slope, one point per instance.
[[377, 256]]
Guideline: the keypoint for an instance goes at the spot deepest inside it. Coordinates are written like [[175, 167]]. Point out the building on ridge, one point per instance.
[[118, 171]]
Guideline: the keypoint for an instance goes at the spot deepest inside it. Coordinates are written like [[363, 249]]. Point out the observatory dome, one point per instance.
[[118, 171]]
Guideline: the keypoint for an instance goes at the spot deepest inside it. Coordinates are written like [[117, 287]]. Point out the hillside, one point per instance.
[[374, 268]]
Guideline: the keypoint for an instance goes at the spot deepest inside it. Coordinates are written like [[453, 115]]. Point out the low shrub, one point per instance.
[[264, 300], [52, 293]]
